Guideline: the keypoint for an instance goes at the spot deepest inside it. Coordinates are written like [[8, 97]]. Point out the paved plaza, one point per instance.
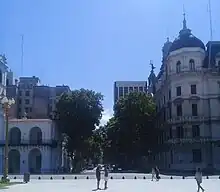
[[127, 185]]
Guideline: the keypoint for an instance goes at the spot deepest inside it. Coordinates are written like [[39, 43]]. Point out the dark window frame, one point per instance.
[[178, 91], [193, 89], [27, 101], [179, 110], [194, 109], [27, 93], [178, 67], [197, 155], [192, 65], [195, 131]]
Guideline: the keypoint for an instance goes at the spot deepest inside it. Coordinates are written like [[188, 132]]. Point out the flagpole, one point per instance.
[[210, 20], [210, 27], [22, 53]]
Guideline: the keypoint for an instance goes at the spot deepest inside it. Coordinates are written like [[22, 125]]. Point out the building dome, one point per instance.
[[186, 39]]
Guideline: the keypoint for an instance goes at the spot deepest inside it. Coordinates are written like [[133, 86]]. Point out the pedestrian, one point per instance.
[[157, 173], [105, 177], [198, 178], [153, 174], [98, 175]]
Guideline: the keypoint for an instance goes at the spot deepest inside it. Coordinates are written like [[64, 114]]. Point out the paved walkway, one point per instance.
[[178, 185]]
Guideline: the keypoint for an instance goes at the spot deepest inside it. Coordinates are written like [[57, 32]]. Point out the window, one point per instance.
[[26, 109], [180, 133], [178, 91], [192, 65], [171, 133], [197, 155], [120, 91], [179, 110], [116, 94], [194, 110], [193, 89], [7, 82], [20, 93], [135, 88], [30, 109], [125, 90], [19, 101], [218, 63], [141, 89], [130, 89], [195, 131], [164, 99], [178, 67], [171, 157], [27, 93], [27, 101], [169, 94], [164, 115], [170, 112]]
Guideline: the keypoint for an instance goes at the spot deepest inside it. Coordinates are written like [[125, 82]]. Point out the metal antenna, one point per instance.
[[210, 19], [184, 10], [22, 53], [210, 25]]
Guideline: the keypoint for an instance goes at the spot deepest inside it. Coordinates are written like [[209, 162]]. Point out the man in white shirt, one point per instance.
[[198, 178]]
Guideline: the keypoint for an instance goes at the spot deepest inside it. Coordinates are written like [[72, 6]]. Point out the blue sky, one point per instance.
[[92, 43]]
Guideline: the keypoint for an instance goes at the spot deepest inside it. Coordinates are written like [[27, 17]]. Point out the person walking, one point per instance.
[[105, 177], [198, 178], [98, 175], [157, 173], [153, 174]]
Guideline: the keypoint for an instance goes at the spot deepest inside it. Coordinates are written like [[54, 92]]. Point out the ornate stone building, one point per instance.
[[187, 94], [33, 147]]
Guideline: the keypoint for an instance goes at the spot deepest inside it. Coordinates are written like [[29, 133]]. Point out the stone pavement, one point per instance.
[[175, 185]]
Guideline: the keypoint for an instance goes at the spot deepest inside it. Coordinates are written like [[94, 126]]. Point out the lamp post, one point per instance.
[[6, 104]]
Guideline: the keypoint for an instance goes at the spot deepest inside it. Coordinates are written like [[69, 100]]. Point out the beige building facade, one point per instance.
[[187, 94]]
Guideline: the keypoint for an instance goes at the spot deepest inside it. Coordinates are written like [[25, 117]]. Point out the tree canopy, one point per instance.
[[131, 131], [78, 113]]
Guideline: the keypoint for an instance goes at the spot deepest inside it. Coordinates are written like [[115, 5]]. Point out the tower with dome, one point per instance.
[[187, 95]]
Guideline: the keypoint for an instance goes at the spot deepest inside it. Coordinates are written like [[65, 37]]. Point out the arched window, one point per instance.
[[178, 67], [192, 65], [0, 76]]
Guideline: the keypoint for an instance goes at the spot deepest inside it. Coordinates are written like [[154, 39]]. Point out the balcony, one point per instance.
[[184, 119], [198, 71], [45, 142], [191, 140]]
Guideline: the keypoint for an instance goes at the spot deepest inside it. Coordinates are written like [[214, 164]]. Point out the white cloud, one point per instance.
[[106, 115]]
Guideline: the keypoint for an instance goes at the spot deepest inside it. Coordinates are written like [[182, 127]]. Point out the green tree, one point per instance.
[[78, 113], [132, 133], [97, 144], [111, 149]]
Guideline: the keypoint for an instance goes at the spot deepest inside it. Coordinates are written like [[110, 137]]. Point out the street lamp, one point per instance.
[[6, 104]]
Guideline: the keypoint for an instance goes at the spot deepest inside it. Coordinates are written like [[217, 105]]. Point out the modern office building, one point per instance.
[[187, 94], [121, 88]]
